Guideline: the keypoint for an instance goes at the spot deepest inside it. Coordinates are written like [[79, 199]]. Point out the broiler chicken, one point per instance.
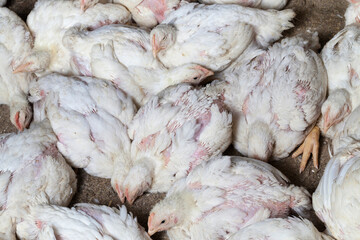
[[198, 33], [172, 133], [48, 22], [15, 42], [123, 55], [281, 229], [84, 221], [341, 59], [32, 171], [224, 195], [275, 96], [335, 200], [90, 118], [264, 4]]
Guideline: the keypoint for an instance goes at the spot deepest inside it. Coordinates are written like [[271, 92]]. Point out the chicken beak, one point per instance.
[[151, 231], [129, 198], [22, 67], [19, 126], [120, 193], [155, 47], [207, 73]]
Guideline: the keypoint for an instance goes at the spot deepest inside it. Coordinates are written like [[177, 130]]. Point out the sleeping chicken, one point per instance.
[[123, 55], [32, 171], [84, 221], [341, 59], [275, 96], [281, 229], [90, 118], [48, 22], [15, 42], [172, 133], [336, 199], [224, 195], [198, 33]]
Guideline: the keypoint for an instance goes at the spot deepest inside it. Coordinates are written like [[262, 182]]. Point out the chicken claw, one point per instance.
[[309, 146]]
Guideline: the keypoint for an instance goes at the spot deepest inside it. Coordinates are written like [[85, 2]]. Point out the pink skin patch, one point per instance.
[[81, 66], [148, 141], [158, 7], [166, 155], [97, 215], [354, 77], [245, 106], [39, 224], [195, 185], [198, 157], [203, 120]]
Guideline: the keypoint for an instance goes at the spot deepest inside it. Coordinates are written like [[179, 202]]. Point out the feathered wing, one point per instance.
[[264, 4], [117, 223], [65, 222], [335, 199], [281, 229]]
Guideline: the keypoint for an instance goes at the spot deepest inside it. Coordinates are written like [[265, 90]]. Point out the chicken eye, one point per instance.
[[163, 221], [195, 78]]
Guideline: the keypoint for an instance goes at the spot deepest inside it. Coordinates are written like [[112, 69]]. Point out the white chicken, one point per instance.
[[48, 22], [15, 42], [335, 200], [90, 118], [221, 196], [172, 133], [198, 33], [281, 229], [275, 96], [264, 4], [32, 171], [123, 55], [341, 59], [84, 221]]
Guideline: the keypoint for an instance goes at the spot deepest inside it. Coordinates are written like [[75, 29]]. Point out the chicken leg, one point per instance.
[[309, 146]]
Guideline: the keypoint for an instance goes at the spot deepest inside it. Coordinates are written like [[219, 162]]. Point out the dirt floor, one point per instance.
[[326, 17]]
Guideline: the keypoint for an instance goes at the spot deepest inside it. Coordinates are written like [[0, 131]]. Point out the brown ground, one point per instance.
[[326, 17]]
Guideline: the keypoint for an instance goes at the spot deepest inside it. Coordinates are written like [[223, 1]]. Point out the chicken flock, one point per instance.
[[151, 93]]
